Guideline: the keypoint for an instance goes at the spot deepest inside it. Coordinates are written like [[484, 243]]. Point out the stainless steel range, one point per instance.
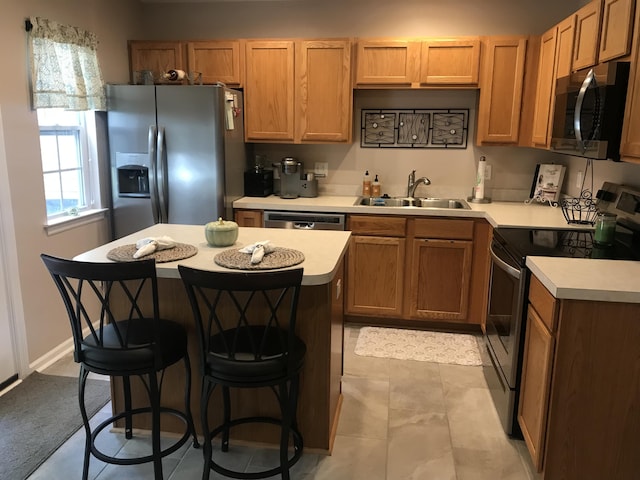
[[509, 284]]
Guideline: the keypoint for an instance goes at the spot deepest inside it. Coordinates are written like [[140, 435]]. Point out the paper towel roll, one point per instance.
[[478, 192]]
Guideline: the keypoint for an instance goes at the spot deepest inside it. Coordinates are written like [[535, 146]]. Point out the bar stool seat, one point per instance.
[[117, 303], [245, 323]]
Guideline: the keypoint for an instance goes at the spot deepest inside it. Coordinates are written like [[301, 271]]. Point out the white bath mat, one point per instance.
[[420, 345]]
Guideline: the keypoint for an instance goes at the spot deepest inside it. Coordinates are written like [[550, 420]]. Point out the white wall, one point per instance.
[[39, 306]]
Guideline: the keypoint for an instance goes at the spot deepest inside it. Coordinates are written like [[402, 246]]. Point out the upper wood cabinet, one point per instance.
[[298, 91], [324, 97], [450, 62], [217, 61], [157, 57], [603, 32], [545, 88], [501, 84], [432, 62], [630, 143], [564, 47], [269, 90], [587, 36], [617, 29], [386, 62]]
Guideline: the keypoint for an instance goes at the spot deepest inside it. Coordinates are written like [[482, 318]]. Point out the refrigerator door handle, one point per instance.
[[153, 172], [163, 187]]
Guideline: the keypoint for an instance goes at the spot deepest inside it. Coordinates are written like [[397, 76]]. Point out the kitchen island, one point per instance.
[[320, 325]]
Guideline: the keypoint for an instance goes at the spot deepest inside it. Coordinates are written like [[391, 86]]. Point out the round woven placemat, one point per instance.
[[125, 253], [279, 258]]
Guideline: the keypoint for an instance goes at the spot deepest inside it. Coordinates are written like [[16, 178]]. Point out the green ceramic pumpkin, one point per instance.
[[222, 233]]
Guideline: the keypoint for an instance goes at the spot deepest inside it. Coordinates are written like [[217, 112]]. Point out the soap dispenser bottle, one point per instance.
[[375, 187], [366, 185]]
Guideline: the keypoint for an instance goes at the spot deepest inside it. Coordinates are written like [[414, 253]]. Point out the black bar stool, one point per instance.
[[245, 324], [118, 304]]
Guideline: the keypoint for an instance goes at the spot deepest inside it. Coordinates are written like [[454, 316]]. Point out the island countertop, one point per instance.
[[323, 250]]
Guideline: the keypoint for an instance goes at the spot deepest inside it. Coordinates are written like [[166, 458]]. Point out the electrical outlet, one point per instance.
[[487, 172], [579, 180], [321, 169]]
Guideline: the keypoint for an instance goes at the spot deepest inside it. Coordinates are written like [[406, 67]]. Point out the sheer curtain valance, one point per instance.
[[64, 67]]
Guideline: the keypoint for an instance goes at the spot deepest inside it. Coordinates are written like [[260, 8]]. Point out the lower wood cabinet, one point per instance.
[[579, 404], [249, 218], [416, 269], [375, 275], [376, 262], [440, 273]]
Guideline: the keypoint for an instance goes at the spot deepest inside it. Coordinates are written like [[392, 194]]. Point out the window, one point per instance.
[[70, 182]]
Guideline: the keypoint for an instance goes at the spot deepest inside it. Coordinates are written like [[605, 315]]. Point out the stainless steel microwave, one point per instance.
[[589, 111]]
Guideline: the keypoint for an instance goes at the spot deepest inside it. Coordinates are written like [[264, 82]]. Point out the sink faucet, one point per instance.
[[412, 184]]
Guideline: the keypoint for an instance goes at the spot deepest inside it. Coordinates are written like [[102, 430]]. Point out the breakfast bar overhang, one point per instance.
[[320, 325]]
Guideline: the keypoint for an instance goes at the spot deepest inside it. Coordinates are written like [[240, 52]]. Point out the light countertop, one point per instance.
[[322, 250], [588, 279], [565, 278], [498, 214]]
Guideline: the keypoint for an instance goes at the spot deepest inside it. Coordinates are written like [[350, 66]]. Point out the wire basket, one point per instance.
[[580, 210]]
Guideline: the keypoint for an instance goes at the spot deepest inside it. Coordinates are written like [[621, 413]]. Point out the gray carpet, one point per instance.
[[38, 416]]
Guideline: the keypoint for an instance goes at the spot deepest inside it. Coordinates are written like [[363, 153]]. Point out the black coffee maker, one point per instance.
[[258, 182]]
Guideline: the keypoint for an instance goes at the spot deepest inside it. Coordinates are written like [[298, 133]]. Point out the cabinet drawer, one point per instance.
[[382, 226], [544, 303], [443, 228]]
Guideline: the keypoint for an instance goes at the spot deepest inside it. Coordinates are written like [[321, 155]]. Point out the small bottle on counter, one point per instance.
[[366, 185], [375, 187]]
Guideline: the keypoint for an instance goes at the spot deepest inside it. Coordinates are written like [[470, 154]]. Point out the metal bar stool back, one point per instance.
[[245, 323], [117, 304]]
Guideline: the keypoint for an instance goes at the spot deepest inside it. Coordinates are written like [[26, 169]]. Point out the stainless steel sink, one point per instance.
[[414, 202]]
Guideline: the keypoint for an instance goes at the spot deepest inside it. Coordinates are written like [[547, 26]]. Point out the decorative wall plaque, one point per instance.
[[424, 128]]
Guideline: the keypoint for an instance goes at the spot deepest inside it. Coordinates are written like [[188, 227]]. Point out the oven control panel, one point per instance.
[[623, 201]]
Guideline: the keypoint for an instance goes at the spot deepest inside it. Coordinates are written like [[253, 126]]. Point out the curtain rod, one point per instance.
[[28, 25]]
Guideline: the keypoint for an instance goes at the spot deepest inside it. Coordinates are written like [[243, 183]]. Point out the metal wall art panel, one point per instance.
[[424, 128]]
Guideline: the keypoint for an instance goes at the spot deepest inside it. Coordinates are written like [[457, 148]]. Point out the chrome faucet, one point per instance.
[[412, 183]]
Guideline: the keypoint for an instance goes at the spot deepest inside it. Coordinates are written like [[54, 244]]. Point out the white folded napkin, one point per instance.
[[258, 250], [149, 245]]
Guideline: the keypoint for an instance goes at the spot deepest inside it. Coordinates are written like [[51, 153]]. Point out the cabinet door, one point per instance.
[[324, 99], [587, 41], [501, 90], [617, 21], [158, 57], [375, 276], [249, 218], [542, 114], [269, 90], [387, 62], [630, 144], [564, 50], [217, 61], [535, 386], [450, 62], [439, 279]]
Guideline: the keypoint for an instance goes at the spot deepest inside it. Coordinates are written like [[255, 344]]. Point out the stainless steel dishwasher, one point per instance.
[[304, 220]]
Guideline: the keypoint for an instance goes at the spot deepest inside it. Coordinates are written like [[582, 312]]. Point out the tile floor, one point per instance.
[[400, 420]]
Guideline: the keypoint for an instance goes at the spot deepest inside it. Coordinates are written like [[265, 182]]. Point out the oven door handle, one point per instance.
[[514, 272]]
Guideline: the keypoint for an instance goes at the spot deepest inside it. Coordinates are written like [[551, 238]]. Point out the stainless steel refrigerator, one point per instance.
[[177, 154]]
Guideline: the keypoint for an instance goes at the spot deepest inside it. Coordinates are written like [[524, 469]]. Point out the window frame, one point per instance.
[[86, 147]]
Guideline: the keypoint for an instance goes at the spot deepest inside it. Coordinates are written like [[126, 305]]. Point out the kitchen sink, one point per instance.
[[414, 202]]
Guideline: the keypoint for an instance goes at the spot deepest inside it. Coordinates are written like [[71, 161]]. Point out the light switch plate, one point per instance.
[[321, 169], [487, 172]]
